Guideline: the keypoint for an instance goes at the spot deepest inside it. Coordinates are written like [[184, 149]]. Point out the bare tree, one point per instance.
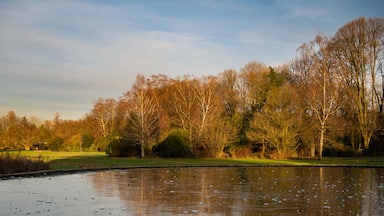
[[104, 114], [143, 114], [229, 92], [214, 131], [252, 86], [321, 85], [197, 109], [301, 70], [358, 46], [208, 104]]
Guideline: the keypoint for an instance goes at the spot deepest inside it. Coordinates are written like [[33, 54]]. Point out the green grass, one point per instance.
[[85, 160]]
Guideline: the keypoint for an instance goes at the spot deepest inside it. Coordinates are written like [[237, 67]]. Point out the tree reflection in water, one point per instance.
[[246, 190]]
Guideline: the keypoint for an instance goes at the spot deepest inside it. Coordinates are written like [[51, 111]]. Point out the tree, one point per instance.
[[301, 70], [17, 133], [104, 113], [11, 130], [358, 48], [44, 134], [252, 86], [184, 105], [252, 91], [214, 132], [26, 133], [207, 104], [162, 87], [229, 93], [230, 107], [278, 124], [316, 69], [143, 115], [217, 135]]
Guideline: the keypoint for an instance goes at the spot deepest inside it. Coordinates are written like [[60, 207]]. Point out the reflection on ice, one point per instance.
[[200, 191]]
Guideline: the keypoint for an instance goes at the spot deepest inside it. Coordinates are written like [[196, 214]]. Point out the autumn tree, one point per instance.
[[44, 134], [9, 130], [278, 124], [17, 132], [217, 135], [358, 49], [26, 133]]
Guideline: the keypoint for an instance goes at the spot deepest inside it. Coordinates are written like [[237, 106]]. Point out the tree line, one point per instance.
[[327, 100]]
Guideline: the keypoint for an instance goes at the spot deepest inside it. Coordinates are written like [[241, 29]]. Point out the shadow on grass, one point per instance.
[[103, 161]]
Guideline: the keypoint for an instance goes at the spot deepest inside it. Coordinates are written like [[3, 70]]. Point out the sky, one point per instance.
[[60, 56]]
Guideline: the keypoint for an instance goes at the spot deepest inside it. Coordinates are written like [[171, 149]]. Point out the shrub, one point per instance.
[[17, 164], [243, 152], [122, 148], [177, 144]]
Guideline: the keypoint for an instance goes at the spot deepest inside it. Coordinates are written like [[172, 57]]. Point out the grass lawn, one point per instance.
[[85, 160]]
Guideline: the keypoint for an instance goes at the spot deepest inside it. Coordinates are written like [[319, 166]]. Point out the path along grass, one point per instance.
[[86, 160]]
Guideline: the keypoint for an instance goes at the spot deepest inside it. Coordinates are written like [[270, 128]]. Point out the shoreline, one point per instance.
[[44, 173]]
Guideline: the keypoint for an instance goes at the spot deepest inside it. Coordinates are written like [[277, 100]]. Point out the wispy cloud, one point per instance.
[[60, 56], [304, 12], [50, 63]]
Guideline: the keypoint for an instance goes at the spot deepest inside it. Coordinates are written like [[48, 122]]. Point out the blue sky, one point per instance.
[[62, 55]]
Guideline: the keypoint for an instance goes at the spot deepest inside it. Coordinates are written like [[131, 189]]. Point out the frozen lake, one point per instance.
[[199, 191]]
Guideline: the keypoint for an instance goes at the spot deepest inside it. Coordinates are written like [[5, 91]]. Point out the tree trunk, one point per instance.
[[313, 150], [321, 143], [262, 150], [142, 152], [142, 146]]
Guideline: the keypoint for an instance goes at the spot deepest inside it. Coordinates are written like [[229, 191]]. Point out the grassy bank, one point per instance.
[[83, 160]]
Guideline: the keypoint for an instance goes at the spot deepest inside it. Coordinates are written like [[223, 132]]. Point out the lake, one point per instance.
[[199, 191]]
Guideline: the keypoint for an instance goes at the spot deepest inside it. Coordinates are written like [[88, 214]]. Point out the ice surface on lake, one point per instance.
[[199, 191]]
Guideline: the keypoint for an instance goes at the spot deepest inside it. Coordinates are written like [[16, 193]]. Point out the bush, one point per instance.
[[177, 144], [17, 164], [122, 148], [243, 152]]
